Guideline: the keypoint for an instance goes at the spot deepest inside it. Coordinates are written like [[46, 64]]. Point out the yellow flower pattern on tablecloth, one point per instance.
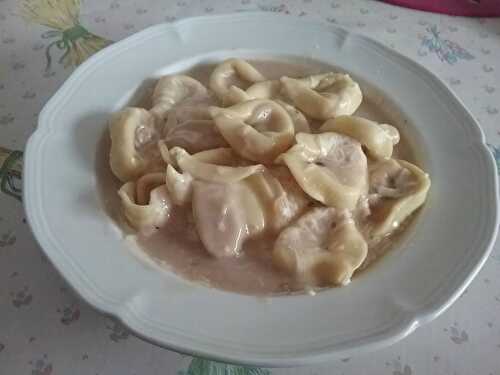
[[73, 40]]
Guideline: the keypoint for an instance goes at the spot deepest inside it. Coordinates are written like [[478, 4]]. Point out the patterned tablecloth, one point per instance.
[[45, 329]]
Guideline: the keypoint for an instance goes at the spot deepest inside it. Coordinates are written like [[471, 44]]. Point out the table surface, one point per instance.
[[45, 329]]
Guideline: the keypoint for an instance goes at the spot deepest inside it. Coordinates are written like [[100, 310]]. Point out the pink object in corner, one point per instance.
[[469, 8]]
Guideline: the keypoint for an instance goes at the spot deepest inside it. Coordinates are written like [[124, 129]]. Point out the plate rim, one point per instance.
[[127, 316]]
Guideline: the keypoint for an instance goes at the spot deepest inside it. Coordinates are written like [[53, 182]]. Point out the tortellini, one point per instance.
[[349, 250], [146, 203], [275, 171], [165, 154], [225, 216], [323, 96], [322, 247], [195, 136], [298, 246], [179, 186], [279, 195], [189, 111], [258, 130], [229, 80], [134, 140], [264, 90], [300, 123], [379, 139], [217, 165], [329, 167], [173, 90], [272, 90], [398, 188]]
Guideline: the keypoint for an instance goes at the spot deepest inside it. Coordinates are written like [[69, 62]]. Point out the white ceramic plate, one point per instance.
[[409, 287]]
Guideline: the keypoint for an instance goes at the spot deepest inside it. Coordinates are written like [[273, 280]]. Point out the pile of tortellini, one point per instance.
[[245, 158]]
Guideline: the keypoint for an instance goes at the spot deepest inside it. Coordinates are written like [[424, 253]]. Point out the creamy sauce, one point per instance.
[[250, 273], [177, 247]]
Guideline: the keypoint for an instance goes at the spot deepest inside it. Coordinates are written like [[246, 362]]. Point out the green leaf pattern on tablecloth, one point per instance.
[[200, 366], [10, 172]]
